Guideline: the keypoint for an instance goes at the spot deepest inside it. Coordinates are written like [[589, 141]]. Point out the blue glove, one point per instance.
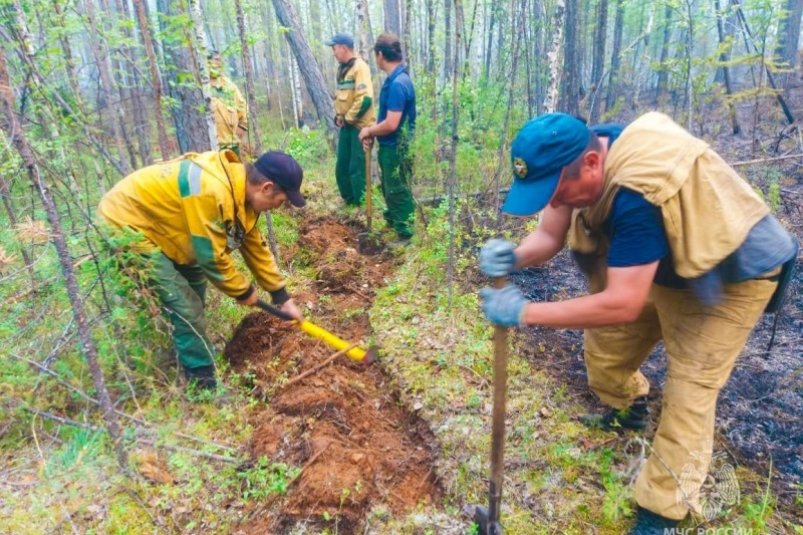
[[504, 306], [497, 258]]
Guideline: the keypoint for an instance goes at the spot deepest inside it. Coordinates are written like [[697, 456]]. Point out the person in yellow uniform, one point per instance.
[[228, 107], [677, 247], [190, 215], [354, 109]]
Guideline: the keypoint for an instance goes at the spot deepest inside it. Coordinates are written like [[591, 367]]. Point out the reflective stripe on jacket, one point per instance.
[[193, 209], [355, 94]]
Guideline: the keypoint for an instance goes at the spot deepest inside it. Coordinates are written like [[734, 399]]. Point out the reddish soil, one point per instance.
[[343, 425]]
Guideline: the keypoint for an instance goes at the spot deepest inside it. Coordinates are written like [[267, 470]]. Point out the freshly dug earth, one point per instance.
[[344, 425]]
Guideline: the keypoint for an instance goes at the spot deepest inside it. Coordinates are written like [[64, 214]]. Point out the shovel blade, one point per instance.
[[368, 244], [484, 524]]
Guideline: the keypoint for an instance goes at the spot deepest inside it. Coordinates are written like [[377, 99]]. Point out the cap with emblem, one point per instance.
[[284, 171], [543, 147], [341, 39]]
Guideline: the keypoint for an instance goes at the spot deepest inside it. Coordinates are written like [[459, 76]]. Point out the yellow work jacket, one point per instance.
[[706, 207], [229, 109], [193, 209], [354, 101]]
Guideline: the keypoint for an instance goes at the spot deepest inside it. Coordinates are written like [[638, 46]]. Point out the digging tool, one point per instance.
[[354, 353], [367, 242], [487, 520]]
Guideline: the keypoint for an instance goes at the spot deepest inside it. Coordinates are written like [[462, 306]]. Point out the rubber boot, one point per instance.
[[636, 417], [648, 523], [201, 378]]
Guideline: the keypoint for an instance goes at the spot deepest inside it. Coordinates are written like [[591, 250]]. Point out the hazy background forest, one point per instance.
[[96, 435]]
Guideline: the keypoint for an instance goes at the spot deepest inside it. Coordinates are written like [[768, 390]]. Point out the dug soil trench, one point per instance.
[[344, 426]]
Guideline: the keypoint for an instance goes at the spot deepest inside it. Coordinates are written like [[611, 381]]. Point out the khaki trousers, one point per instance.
[[702, 343]]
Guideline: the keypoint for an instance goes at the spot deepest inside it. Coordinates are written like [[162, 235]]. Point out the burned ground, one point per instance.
[[760, 408], [357, 446]]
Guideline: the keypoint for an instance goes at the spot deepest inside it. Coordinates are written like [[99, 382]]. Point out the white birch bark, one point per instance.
[[553, 58]]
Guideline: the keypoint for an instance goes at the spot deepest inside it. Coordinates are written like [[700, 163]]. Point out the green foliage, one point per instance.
[[307, 146], [265, 479]]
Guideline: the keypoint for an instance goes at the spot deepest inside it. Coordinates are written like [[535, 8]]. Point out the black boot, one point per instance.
[[635, 417], [648, 523], [201, 379]]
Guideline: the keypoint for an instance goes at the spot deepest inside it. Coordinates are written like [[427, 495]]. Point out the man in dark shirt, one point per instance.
[[641, 206], [394, 129]]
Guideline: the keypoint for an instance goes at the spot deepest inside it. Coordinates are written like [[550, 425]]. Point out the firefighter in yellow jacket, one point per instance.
[[228, 107], [677, 247], [192, 213], [354, 109]]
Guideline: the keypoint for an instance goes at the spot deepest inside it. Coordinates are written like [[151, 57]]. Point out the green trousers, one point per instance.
[[182, 290], [394, 164], [350, 167]]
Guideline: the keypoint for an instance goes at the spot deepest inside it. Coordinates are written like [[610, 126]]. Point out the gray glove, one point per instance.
[[503, 306], [497, 258]]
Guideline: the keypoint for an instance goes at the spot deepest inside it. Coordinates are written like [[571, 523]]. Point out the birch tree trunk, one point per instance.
[[663, 74], [156, 81], [310, 70], [199, 48], [447, 39], [250, 91], [553, 58], [17, 137], [364, 40]]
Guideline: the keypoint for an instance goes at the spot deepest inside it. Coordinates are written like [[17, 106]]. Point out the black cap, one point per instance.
[[283, 170], [341, 39]]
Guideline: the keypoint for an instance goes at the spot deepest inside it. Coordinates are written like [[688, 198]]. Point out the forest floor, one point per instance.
[[401, 445]]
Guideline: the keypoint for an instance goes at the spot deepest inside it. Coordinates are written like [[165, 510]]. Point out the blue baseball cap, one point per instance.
[[341, 39], [283, 170], [543, 147]]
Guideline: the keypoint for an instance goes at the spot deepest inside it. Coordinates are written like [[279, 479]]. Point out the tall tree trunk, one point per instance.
[[553, 57], [430, 36], [364, 40], [598, 59], [663, 73], [789, 38], [199, 46], [69, 61], [188, 108], [156, 81], [250, 90], [447, 39], [689, 45], [490, 38], [770, 78], [452, 182], [392, 16], [17, 137], [570, 94], [310, 70], [616, 58], [723, 58], [101, 55]]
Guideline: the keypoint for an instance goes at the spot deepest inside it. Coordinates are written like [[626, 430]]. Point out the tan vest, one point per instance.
[[707, 208]]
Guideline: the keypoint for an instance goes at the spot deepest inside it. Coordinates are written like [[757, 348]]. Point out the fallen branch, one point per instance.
[[320, 366], [767, 160]]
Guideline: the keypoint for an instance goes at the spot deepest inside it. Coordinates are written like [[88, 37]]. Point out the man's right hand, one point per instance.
[[497, 258], [339, 122], [290, 307]]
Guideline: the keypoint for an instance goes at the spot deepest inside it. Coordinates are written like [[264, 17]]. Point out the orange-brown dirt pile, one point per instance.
[[343, 425]]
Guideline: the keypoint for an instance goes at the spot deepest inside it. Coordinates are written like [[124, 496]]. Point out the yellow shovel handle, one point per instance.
[[355, 353]]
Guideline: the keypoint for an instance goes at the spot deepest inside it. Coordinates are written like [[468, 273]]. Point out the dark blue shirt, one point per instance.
[[397, 94], [635, 230]]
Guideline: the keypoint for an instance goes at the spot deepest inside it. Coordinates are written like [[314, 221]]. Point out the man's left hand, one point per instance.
[[504, 306]]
